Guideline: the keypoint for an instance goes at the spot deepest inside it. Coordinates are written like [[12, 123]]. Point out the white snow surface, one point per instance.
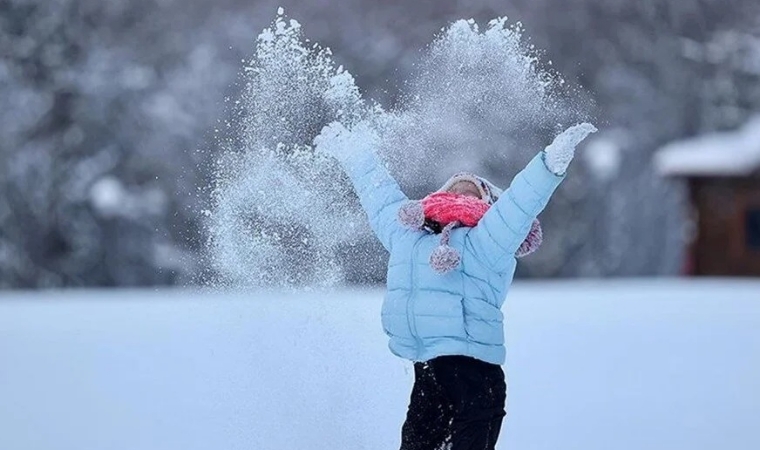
[[596, 366], [722, 153]]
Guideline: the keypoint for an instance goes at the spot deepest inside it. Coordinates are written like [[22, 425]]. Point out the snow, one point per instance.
[[108, 196], [268, 177], [603, 155], [619, 365], [720, 153], [111, 198], [477, 95]]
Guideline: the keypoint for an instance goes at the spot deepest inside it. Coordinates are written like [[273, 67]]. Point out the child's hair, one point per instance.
[[432, 226]]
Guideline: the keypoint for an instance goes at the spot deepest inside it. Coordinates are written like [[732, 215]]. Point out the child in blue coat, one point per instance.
[[446, 284]]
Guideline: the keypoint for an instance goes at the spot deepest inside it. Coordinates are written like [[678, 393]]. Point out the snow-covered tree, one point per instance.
[[102, 109]]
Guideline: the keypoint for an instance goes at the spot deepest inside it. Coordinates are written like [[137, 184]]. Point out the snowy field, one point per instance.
[[615, 366]]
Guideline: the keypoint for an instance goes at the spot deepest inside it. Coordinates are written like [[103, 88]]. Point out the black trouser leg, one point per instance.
[[429, 415], [476, 391]]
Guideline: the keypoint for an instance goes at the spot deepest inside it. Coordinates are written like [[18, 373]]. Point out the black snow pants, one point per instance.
[[457, 403]]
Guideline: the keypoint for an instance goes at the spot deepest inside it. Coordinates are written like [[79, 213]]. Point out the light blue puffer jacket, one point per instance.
[[427, 314]]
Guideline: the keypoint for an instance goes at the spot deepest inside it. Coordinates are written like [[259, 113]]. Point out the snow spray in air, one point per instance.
[[477, 100], [282, 215]]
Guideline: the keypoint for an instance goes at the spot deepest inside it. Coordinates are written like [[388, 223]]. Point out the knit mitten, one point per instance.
[[558, 154], [346, 145]]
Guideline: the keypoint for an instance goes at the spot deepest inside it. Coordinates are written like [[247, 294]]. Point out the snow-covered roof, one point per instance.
[[732, 153]]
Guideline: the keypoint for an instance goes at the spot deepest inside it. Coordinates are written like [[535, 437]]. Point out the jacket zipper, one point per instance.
[[410, 304]]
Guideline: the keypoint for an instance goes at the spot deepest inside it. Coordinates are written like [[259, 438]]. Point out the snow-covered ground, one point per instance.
[[621, 365]]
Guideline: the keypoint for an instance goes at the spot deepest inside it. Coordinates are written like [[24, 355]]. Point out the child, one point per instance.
[[444, 293]]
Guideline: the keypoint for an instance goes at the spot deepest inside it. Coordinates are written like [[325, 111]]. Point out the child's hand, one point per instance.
[[341, 143], [560, 152]]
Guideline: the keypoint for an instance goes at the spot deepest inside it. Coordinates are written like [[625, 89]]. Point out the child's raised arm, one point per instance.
[[378, 192], [503, 228]]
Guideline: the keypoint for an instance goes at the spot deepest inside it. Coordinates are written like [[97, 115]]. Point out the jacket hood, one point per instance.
[[489, 193]]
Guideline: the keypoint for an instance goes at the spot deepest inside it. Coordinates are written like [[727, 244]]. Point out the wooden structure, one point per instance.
[[723, 174]]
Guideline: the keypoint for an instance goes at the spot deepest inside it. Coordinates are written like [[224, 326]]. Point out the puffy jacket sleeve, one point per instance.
[[379, 194], [500, 232]]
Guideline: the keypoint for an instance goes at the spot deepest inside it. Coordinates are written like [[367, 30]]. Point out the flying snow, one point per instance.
[[282, 214]]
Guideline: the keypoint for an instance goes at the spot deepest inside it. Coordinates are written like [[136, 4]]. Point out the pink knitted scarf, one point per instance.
[[447, 207]]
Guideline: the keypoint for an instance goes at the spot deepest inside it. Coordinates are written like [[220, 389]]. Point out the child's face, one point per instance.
[[465, 188]]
